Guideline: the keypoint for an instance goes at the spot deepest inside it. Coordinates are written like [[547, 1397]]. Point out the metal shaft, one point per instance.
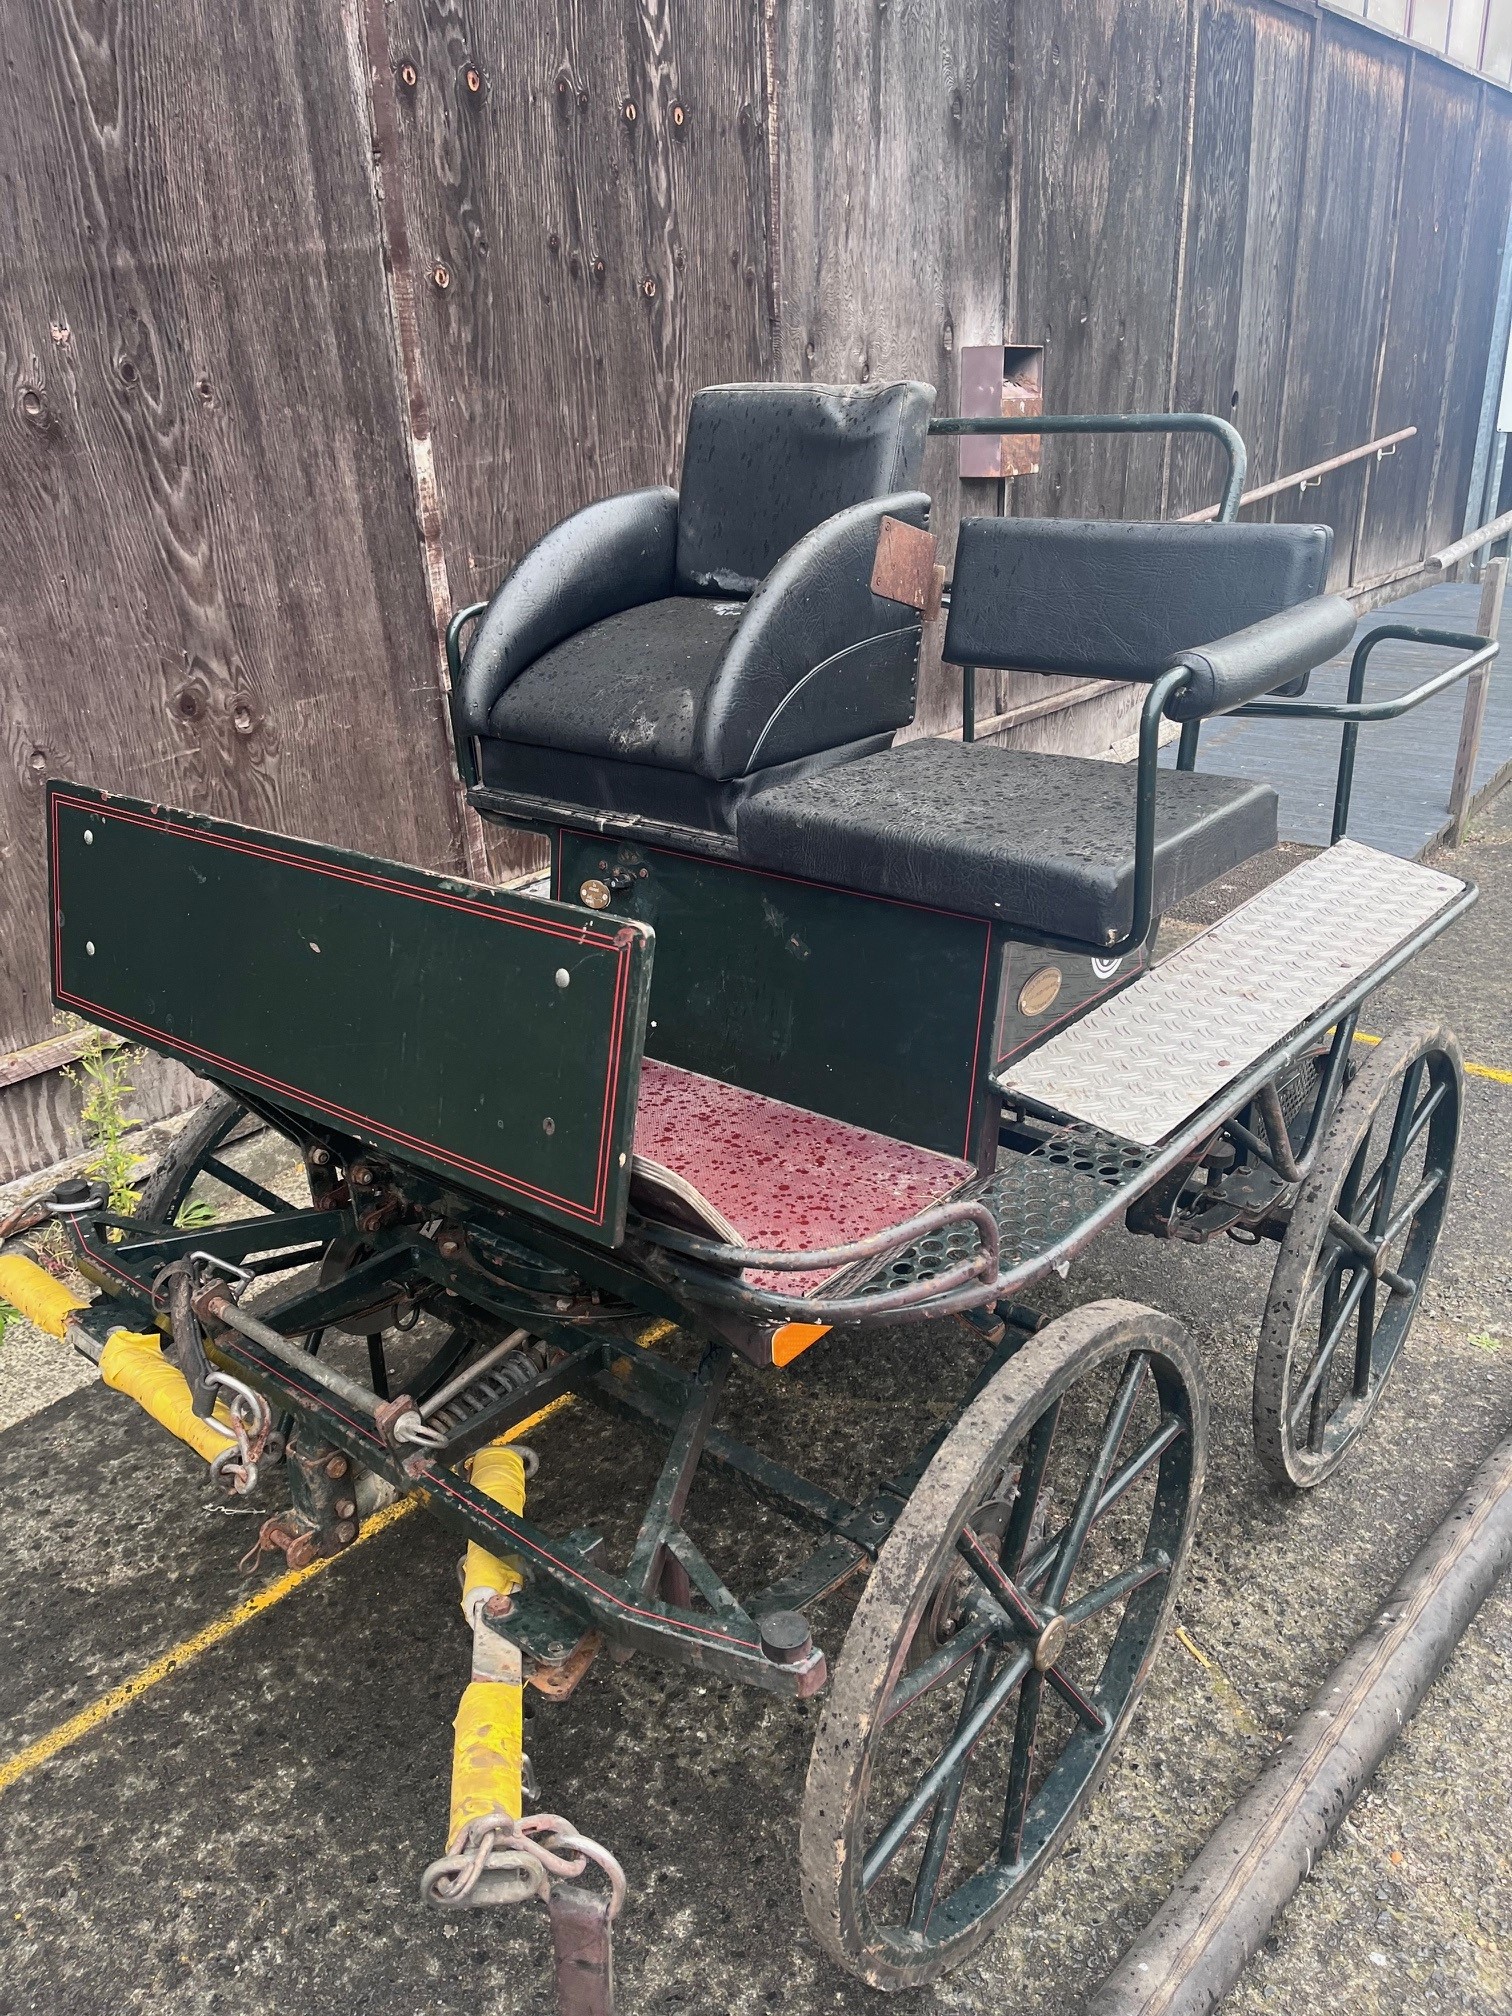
[[1193, 1951], [226, 1311]]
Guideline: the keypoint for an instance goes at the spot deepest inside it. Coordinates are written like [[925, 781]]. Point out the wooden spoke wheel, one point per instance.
[[1356, 1253], [193, 1154], [940, 1786]]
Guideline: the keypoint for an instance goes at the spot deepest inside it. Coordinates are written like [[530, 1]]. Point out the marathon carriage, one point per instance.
[[814, 1032]]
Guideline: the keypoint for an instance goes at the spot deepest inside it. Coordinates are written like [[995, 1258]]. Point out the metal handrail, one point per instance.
[[1355, 709], [1304, 479], [1229, 437]]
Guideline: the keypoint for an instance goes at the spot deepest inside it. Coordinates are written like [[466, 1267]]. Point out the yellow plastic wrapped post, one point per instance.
[[32, 1290], [486, 1761], [135, 1365], [500, 1472]]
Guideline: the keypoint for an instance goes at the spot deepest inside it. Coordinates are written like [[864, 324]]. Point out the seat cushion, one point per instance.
[[628, 687], [1045, 843]]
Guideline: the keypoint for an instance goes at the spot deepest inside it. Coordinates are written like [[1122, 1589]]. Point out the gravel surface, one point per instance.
[[248, 1835]]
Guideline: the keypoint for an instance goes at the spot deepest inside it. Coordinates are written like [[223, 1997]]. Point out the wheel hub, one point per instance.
[[1050, 1643]]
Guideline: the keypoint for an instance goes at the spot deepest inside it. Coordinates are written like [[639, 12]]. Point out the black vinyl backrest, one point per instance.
[[1110, 600], [764, 464]]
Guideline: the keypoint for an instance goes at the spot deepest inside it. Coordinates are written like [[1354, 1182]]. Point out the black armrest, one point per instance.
[[1268, 654], [814, 611], [610, 556]]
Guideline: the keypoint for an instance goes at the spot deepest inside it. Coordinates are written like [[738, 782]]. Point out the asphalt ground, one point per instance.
[[248, 1833]]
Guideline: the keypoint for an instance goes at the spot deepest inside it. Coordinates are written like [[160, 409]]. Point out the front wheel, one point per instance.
[[1001, 1643]]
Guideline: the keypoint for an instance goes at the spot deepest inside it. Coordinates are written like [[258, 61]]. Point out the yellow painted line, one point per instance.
[[89, 1718], [187, 1650], [1491, 1071]]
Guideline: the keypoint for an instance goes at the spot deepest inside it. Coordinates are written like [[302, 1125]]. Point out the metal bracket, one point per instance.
[[905, 570]]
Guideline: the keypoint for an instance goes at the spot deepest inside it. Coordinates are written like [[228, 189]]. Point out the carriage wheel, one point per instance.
[[167, 1189], [988, 1674], [1356, 1254]]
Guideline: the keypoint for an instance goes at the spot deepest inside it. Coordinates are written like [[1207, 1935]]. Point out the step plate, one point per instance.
[[1145, 1061]]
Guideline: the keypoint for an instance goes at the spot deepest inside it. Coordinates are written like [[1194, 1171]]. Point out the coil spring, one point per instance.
[[509, 1376]]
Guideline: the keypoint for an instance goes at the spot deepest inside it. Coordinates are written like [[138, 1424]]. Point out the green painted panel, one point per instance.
[[489, 1038], [867, 1010]]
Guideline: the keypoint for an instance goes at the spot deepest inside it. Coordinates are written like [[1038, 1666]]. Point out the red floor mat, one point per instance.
[[784, 1178]]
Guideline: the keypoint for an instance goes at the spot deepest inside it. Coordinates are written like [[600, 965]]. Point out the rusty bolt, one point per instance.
[[442, 277], [648, 288], [336, 1466], [371, 1221], [300, 1551], [409, 76], [679, 116], [361, 1173], [345, 1508], [473, 80], [346, 1532], [628, 108]]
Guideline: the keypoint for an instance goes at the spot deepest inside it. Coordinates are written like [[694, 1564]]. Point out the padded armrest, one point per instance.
[[610, 556], [816, 608], [1268, 654]]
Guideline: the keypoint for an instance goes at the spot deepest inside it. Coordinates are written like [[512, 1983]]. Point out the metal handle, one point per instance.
[[1229, 437], [1355, 709]]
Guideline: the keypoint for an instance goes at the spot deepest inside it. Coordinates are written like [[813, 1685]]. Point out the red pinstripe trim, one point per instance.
[[516, 1186]]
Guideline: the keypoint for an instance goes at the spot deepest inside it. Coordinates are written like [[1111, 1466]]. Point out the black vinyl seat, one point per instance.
[[664, 652], [1046, 843]]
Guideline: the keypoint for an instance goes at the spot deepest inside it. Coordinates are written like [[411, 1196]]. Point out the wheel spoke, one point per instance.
[[1080, 1523], [1330, 1344], [939, 1666], [1420, 1120], [1170, 1430], [1396, 1147], [942, 1820], [1031, 1482], [1021, 1767], [968, 1734], [1024, 1615], [235, 1180], [1116, 1587]]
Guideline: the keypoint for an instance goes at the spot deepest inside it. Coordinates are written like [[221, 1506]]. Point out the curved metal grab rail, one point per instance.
[[1228, 436], [1355, 708]]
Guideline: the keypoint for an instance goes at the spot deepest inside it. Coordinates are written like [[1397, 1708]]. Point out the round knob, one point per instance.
[[785, 1637]]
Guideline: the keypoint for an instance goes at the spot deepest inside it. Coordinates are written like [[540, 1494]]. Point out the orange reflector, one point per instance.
[[795, 1337]]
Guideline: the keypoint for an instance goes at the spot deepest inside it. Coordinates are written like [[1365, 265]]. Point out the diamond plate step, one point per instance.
[[1146, 1060]]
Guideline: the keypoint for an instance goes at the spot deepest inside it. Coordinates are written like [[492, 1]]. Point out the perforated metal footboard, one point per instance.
[[1150, 1057]]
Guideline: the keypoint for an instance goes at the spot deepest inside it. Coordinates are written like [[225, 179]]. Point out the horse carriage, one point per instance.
[[812, 1031]]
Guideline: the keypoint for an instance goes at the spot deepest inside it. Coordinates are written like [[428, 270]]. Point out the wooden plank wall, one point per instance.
[[312, 318]]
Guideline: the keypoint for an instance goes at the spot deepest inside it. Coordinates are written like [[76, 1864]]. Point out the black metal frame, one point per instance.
[[1355, 709]]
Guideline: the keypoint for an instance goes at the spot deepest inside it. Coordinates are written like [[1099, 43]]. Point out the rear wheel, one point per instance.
[[1001, 1643], [1360, 1241]]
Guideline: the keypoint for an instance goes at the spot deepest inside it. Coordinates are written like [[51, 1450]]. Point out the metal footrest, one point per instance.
[[1150, 1057], [1038, 1197]]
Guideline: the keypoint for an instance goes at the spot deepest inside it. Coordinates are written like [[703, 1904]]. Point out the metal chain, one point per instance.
[[519, 1859]]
